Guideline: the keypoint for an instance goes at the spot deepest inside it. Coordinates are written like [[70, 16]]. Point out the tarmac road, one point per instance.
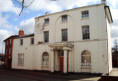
[[23, 75]]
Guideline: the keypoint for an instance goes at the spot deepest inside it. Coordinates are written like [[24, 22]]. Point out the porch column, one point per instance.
[[52, 60], [56, 61], [70, 61], [65, 61]]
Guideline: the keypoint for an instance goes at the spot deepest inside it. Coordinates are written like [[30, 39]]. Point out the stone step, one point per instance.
[[114, 72]]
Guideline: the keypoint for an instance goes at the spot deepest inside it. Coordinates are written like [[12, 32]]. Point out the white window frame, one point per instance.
[[20, 59], [85, 14], [45, 59], [64, 18], [85, 32]]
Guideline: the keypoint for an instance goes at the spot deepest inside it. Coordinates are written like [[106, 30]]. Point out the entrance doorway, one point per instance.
[[61, 61]]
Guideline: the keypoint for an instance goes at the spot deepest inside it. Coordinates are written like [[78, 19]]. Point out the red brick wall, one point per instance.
[[8, 51]]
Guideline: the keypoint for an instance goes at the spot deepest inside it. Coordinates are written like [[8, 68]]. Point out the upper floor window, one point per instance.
[[46, 36], [46, 21], [85, 32], [21, 41], [64, 18], [85, 14], [32, 40], [64, 35]]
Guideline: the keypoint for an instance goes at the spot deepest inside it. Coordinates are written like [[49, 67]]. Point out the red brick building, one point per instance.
[[9, 48], [1, 58]]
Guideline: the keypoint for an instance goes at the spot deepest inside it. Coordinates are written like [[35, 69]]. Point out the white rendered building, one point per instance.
[[75, 40]]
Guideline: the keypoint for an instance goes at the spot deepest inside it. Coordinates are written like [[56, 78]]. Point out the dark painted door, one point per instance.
[[61, 63]]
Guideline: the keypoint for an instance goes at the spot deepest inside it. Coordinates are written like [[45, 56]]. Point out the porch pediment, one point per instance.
[[61, 45]]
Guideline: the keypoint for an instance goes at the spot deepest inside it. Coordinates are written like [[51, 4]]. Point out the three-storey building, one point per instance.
[[75, 40]]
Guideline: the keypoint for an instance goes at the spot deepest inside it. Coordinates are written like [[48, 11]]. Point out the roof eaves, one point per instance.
[[109, 13], [30, 35], [69, 10], [14, 36]]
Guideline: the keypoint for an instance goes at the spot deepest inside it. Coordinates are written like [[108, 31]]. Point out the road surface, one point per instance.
[[23, 75]]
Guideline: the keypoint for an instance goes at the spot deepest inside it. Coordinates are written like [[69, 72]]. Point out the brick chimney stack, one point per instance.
[[103, 1], [21, 33]]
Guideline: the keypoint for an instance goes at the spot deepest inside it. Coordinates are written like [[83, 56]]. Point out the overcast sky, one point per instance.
[[10, 22]]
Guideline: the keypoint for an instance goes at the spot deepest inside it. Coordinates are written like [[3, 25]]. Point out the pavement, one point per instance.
[[25, 75]]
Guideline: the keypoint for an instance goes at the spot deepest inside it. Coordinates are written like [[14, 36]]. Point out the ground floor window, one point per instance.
[[20, 59], [45, 59], [86, 58]]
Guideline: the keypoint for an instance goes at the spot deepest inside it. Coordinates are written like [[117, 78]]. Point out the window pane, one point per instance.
[[64, 18], [85, 32], [46, 36], [45, 59], [20, 59], [64, 35], [85, 14], [32, 40], [46, 21], [86, 58], [21, 41]]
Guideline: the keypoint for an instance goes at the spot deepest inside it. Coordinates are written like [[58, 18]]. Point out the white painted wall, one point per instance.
[[27, 49], [98, 45], [109, 47], [98, 55], [96, 21]]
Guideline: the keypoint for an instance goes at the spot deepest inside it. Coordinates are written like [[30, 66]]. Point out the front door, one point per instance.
[[61, 56], [61, 63]]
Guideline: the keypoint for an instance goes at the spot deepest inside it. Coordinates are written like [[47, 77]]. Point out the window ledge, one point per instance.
[[64, 41], [64, 22], [20, 65], [85, 18], [46, 25], [45, 43], [32, 44], [86, 39]]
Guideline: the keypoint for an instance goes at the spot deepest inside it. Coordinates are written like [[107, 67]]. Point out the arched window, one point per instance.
[[86, 58], [45, 59]]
